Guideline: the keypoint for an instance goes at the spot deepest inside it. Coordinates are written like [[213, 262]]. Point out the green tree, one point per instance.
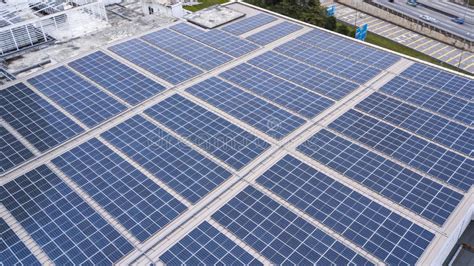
[[330, 23]]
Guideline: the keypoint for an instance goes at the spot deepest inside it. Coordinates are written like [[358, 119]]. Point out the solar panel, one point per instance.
[[13, 251], [284, 93], [186, 48], [431, 99], [218, 39], [244, 25], [418, 121], [173, 162], [411, 190], [121, 80], [13, 151], [206, 245], [274, 33], [279, 234], [35, 119], [387, 235], [137, 203], [66, 228], [226, 141], [409, 148], [264, 116], [155, 61], [304, 75], [79, 97]]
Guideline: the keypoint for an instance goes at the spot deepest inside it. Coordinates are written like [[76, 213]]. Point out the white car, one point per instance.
[[428, 18]]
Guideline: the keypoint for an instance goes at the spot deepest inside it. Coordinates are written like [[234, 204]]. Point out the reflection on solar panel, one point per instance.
[[185, 48], [421, 195], [266, 117], [119, 79], [418, 121], [155, 61], [244, 25], [274, 33], [67, 229], [439, 79], [390, 237], [218, 39], [13, 151], [279, 234], [80, 98], [216, 135], [304, 75], [284, 93], [139, 204], [328, 61], [436, 101], [415, 151], [182, 168], [206, 245], [35, 119], [14, 252]]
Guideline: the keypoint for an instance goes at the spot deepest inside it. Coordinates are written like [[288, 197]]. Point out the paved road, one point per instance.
[[443, 21]]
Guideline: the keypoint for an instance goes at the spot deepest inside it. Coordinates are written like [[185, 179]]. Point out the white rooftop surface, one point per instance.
[[213, 17]]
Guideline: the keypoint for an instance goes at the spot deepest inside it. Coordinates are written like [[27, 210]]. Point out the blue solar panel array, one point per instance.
[[274, 33], [189, 173], [218, 39], [155, 61], [34, 118], [423, 123], [205, 245], [279, 234], [12, 250], [260, 114], [88, 103], [304, 75], [411, 190], [387, 235], [66, 228], [224, 140], [284, 93], [13, 151], [186, 48], [244, 25], [137, 203], [121, 80], [406, 147]]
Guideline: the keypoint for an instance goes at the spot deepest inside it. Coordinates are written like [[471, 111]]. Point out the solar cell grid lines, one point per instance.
[[121, 80], [206, 245], [387, 235], [179, 166], [34, 118], [137, 203], [86, 102], [403, 186], [284, 93], [264, 116], [279, 234], [14, 251], [13, 151], [274, 33], [155, 61], [247, 24], [224, 140], [186, 48]]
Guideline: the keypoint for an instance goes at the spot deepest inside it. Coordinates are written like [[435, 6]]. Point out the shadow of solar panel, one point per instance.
[[244, 106], [279, 234], [242, 26], [13, 151], [85, 101], [206, 245], [387, 235], [121, 80], [137, 203], [274, 33], [13, 251], [34, 118], [186, 171], [66, 228]]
